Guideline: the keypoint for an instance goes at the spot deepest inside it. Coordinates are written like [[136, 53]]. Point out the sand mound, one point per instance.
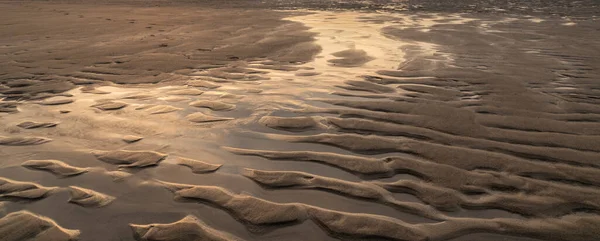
[[132, 159], [55, 167], [189, 228], [132, 139], [93, 90], [88, 198], [11, 189], [366, 226], [189, 91], [203, 83], [213, 105], [23, 225], [22, 141], [158, 109], [289, 123], [110, 105], [139, 96], [34, 125], [200, 117], [56, 101], [118, 176], [350, 58], [198, 166]]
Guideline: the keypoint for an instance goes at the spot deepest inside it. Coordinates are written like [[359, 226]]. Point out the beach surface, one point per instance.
[[351, 120]]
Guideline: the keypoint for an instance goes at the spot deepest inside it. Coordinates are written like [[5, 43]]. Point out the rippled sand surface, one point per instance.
[[121, 122]]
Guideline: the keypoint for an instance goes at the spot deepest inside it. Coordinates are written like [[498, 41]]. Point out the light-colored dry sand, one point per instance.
[[125, 158], [34, 125], [88, 198], [213, 105], [36, 227], [192, 227], [198, 166], [12, 189], [55, 167]]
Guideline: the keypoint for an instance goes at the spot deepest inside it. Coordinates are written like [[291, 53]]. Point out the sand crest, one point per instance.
[[253, 211], [130, 159], [56, 101], [213, 105], [58, 168], [16, 190], [203, 83], [24, 225], [198, 166], [189, 228], [110, 105], [23, 140], [289, 123], [88, 198], [132, 138], [200, 117], [286, 179], [34, 125]]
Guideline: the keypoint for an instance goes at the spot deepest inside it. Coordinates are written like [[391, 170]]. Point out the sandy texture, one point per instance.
[[55, 167], [38, 228], [125, 158], [88, 198], [198, 166], [213, 105], [228, 120], [132, 138], [110, 105], [34, 125], [11, 189], [200, 117], [23, 140], [192, 227]]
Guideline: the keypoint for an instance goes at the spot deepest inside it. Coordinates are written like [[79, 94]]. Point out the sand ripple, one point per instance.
[[130, 159], [198, 166], [55, 167], [24, 225], [11, 189], [34, 125], [213, 105], [110, 105], [200, 117], [23, 141], [189, 228], [88, 198]]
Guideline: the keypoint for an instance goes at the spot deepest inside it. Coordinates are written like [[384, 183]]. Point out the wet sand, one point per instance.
[[123, 122]]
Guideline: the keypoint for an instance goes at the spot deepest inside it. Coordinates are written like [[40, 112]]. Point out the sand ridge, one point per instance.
[[191, 123], [38, 228], [193, 228], [55, 167], [130, 159], [88, 198]]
